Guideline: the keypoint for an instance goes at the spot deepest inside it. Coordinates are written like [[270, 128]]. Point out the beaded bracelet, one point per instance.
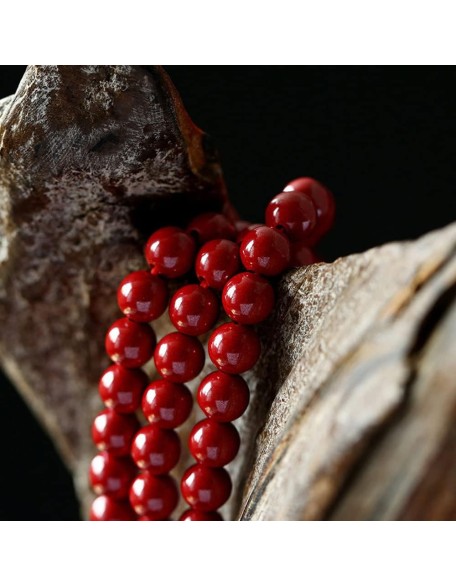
[[132, 471]]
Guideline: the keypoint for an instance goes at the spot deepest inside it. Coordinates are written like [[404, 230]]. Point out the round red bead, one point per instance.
[[266, 251], [154, 496], [166, 403], [323, 201], [105, 508], [216, 262], [301, 255], [210, 226], [294, 213], [114, 432], [213, 443], [142, 297], [156, 449], [170, 252], [193, 515], [194, 310], [204, 488], [222, 396], [178, 357], [121, 388], [130, 344], [111, 475], [248, 298], [234, 348]]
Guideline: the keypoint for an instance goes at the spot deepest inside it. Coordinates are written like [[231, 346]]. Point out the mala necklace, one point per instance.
[[132, 471]]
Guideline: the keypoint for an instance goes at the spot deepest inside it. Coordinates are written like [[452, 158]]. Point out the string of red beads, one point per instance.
[[233, 265]]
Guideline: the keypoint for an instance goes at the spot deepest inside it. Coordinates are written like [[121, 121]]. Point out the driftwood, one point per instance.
[[354, 400]]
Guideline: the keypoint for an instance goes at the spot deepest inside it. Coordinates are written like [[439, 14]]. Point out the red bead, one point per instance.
[[170, 252], [130, 344], [216, 262], [301, 255], [294, 213], [213, 443], [194, 310], [156, 449], [142, 297], [323, 201], [166, 403], [121, 389], [154, 496], [265, 251], [211, 226], [234, 348], [114, 432], [111, 475], [193, 515], [178, 357], [206, 489], [248, 298], [223, 397], [105, 508]]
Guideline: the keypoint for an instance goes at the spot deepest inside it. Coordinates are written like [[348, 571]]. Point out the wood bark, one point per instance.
[[354, 399]]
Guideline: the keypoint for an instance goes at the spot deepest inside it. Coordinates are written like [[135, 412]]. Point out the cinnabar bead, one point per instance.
[[106, 508], [142, 297], [323, 201], [154, 496], [301, 255], [248, 298], [234, 348], [178, 357], [111, 475], [216, 262], [204, 488], [266, 251], [294, 213], [121, 388], [222, 396], [193, 310], [114, 432], [156, 449], [166, 403], [193, 515], [129, 343], [214, 444], [170, 252], [211, 226]]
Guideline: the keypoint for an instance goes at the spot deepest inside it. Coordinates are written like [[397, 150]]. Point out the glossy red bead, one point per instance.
[[204, 488], [301, 255], [156, 449], [121, 388], [323, 200], [178, 357], [142, 297], [154, 496], [130, 344], [166, 403], [216, 262], [265, 251], [248, 298], [111, 475], [294, 213], [234, 348], [211, 226], [114, 432], [193, 515], [193, 310], [106, 508], [222, 396], [170, 252], [213, 443]]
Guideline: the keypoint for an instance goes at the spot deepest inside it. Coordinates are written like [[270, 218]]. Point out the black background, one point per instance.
[[382, 138]]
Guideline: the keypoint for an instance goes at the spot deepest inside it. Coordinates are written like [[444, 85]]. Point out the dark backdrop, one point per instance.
[[382, 138]]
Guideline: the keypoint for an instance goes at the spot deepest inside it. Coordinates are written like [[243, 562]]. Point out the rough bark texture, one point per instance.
[[354, 400]]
